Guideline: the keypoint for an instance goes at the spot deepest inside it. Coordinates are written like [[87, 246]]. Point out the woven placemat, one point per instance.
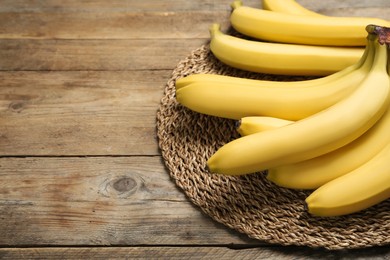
[[249, 204]]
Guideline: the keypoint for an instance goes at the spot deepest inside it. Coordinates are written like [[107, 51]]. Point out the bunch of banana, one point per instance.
[[234, 98], [325, 134], [320, 149], [307, 138]]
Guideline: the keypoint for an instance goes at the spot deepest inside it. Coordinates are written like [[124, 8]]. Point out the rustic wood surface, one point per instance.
[[81, 173]]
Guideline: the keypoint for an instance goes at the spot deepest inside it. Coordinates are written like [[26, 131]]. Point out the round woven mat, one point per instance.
[[249, 204]]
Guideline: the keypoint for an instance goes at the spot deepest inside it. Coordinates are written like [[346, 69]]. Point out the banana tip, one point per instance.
[[236, 4], [214, 29], [269, 176]]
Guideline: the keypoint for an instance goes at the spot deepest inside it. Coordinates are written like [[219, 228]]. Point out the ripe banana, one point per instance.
[[234, 101], [278, 58], [254, 124], [312, 136], [298, 29], [215, 78], [355, 191], [313, 173], [288, 7]]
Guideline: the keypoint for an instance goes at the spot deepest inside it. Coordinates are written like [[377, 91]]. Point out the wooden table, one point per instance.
[[81, 172]]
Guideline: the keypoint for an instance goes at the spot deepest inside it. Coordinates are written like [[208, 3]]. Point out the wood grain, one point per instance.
[[102, 25], [100, 201], [108, 55], [80, 113], [74, 6], [168, 252], [123, 20]]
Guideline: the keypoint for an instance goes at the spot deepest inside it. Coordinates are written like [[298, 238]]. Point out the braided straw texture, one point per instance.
[[249, 204]]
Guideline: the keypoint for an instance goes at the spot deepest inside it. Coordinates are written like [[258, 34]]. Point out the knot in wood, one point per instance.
[[16, 106], [121, 187], [124, 184]]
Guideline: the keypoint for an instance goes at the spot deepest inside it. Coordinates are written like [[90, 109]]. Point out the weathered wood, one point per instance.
[[102, 25], [378, 12], [109, 55], [75, 6], [347, 5], [280, 253], [80, 113], [123, 21], [100, 201]]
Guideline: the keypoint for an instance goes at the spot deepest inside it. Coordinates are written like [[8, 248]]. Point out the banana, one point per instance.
[[288, 7], [355, 191], [313, 173], [212, 78], [278, 58], [298, 29], [217, 78], [233, 101], [254, 124], [316, 135]]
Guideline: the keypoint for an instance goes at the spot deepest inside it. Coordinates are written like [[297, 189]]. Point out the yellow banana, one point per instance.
[[355, 191], [230, 100], [313, 173], [316, 135], [298, 29], [254, 124], [215, 78], [278, 58], [288, 7]]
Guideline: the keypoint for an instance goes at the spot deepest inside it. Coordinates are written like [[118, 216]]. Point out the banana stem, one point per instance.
[[381, 33], [236, 4], [214, 29]]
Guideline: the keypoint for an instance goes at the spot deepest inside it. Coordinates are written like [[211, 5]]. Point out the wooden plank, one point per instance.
[[167, 252], [126, 23], [80, 113], [74, 6], [319, 6], [378, 12], [102, 25], [362, 8], [110, 55], [100, 201]]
